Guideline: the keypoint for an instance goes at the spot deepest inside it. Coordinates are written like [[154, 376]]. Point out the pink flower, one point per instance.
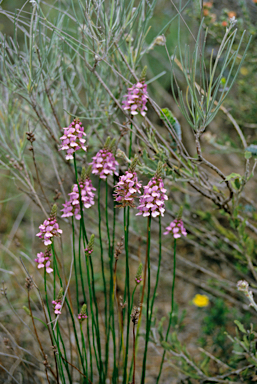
[[49, 229], [58, 302], [58, 305], [136, 99], [152, 201], [177, 229], [43, 261], [73, 139], [72, 206], [127, 189], [104, 163], [83, 313]]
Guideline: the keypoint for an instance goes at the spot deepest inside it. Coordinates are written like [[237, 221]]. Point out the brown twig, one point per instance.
[[76, 369], [47, 366]]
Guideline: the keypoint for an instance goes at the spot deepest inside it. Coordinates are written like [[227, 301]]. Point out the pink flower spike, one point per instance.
[[176, 228], [73, 139], [72, 206], [57, 303], [136, 98], [152, 201], [127, 189], [46, 233], [43, 260], [104, 164]]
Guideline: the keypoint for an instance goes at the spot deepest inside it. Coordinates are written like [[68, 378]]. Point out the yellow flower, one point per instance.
[[201, 300], [244, 71]]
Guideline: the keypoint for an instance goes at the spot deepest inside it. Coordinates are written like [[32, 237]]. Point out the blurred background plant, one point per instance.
[[67, 59]]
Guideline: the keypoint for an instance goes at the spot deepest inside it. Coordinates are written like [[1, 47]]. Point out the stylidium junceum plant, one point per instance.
[[106, 130]]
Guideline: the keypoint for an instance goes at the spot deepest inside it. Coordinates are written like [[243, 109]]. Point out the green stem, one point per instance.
[[75, 264], [158, 270], [84, 353], [130, 141], [108, 322], [148, 318], [49, 314], [172, 307], [72, 319], [80, 201], [95, 324], [101, 251], [127, 290], [100, 369]]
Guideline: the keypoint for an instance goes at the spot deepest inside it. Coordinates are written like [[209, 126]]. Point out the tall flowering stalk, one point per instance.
[[151, 205], [176, 229], [103, 165], [73, 139], [125, 192]]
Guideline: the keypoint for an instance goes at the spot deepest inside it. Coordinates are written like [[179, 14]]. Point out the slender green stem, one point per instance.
[[80, 200], [49, 314], [127, 289], [104, 282], [58, 335], [101, 251], [72, 318], [98, 337], [95, 324], [80, 266], [75, 263], [155, 288], [158, 270], [111, 322], [148, 318], [107, 330], [130, 141], [84, 352], [172, 307]]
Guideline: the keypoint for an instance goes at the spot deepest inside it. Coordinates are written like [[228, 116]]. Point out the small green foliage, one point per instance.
[[167, 114], [240, 326]]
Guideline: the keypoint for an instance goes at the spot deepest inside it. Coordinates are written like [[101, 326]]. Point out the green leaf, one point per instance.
[[167, 114], [248, 154], [233, 176], [240, 326], [237, 183]]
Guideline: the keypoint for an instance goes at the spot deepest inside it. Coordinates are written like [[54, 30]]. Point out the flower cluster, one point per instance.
[[152, 201], [89, 248], [43, 260], [58, 303], [243, 285], [138, 277], [177, 229], [82, 315], [104, 163], [72, 206], [57, 306], [49, 228], [127, 188], [136, 98], [73, 139]]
